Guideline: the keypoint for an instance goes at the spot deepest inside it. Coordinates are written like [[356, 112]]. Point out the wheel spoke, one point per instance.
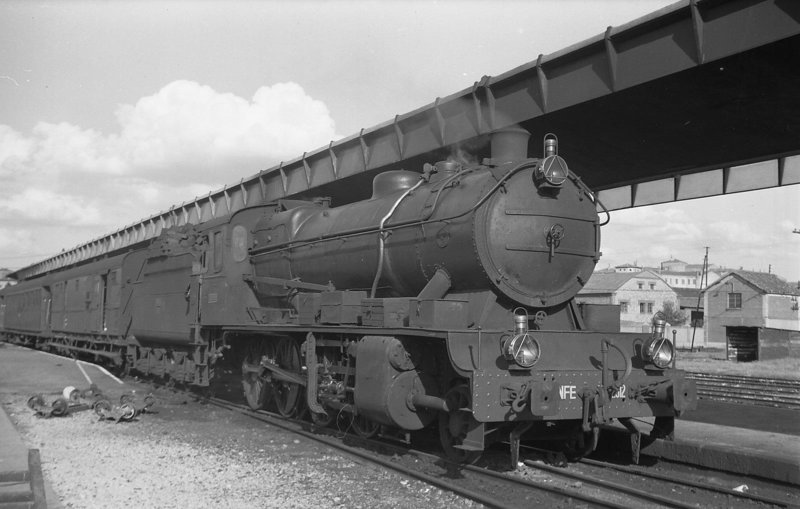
[[365, 427], [288, 396], [256, 391], [453, 425]]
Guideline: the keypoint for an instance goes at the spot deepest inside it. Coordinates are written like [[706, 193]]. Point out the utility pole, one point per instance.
[[703, 277]]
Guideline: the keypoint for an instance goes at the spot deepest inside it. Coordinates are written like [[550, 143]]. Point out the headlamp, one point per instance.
[[551, 172], [659, 351], [522, 349]]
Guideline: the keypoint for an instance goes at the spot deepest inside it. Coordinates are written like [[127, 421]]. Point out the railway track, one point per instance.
[[554, 486], [535, 483], [684, 490], [469, 482], [773, 392]]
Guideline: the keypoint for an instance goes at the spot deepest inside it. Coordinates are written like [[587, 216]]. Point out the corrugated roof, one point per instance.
[[608, 282], [767, 283]]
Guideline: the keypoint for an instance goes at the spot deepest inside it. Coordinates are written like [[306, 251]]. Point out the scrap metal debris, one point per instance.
[[73, 400]]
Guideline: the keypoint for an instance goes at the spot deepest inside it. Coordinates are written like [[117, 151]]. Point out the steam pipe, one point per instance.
[[382, 234], [437, 287], [628, 367]]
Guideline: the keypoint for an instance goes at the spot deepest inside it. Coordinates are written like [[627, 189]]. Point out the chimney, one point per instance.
[[509, 144]]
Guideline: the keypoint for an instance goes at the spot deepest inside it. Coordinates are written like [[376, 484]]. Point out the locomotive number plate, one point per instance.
[[571, 392]]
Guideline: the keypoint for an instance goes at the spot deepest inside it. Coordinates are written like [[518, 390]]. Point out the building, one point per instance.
[[638, 294], [628, 268], [4, 279], [753, 315], [690, 300], [679, 274]]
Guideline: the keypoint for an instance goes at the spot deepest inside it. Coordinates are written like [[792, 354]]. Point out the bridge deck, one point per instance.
[[697, 99]]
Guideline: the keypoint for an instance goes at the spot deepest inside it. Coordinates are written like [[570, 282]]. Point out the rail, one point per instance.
[[773, 392]]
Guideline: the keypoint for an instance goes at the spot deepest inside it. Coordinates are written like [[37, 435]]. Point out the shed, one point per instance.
[[753, 315]]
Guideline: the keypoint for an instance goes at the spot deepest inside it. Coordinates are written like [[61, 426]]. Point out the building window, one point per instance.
[[645, 307], [623, 306], [641, 285], [652, 286], [734, 301]]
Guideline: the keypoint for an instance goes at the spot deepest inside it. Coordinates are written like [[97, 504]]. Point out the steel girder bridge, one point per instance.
[[697, 99]]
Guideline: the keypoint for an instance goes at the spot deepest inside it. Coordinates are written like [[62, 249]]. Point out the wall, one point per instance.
[[683, 338], [781, 312], [778, 344], [595, 299], [630, 293], [718, 316]]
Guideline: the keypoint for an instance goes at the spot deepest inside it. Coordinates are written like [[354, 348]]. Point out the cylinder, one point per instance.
[[430, 402]]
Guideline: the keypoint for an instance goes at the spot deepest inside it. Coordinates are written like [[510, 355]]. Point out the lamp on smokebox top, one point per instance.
[[552, 172], [521, 348]]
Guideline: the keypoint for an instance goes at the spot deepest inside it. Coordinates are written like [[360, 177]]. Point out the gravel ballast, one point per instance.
[[190, 454]]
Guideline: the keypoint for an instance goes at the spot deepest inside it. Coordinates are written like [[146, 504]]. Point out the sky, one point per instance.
[[113, 111]]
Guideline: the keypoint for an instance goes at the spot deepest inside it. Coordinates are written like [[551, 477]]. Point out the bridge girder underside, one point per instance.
[[703, 122], [698, 99], [738, 110]]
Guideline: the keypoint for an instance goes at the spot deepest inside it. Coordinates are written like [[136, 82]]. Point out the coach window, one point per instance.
[[217, 251], [239, 243], [203, 248]]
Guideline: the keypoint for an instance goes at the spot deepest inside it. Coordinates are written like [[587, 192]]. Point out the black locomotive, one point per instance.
[[447, 298]]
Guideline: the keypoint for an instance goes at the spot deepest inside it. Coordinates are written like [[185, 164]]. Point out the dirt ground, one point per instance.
[[184, 453], [714, 361]]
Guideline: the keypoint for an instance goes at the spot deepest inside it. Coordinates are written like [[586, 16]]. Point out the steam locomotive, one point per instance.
[[445, 299]]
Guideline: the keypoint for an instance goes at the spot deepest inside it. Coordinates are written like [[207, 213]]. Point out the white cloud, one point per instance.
[[15, 149], [47, 206], [192, 131], [748, 230], [181, 142], [62, 148]]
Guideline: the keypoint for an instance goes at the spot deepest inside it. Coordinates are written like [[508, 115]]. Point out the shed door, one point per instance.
[[742, 343]]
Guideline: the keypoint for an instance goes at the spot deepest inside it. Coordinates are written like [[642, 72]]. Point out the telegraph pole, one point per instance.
[[703, 277]]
